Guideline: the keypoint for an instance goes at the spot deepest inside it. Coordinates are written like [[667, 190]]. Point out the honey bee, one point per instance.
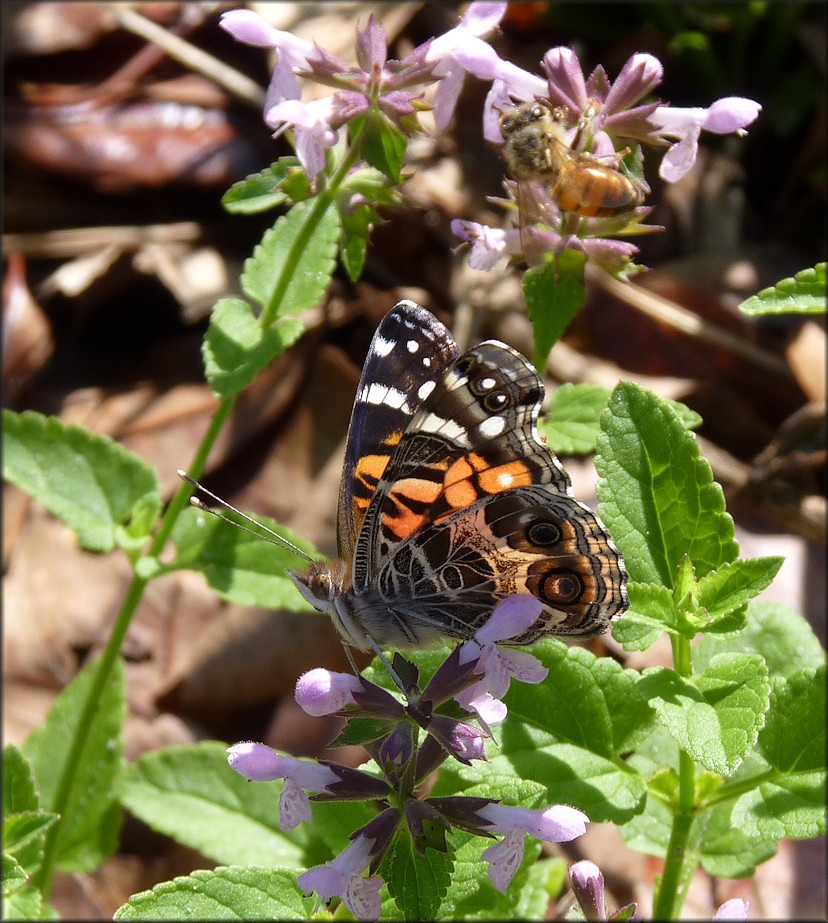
[[535, 150]]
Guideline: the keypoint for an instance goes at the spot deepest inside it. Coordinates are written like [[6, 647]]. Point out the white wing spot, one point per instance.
[[492, 426], [431, 423], [380, 394], [425, 389], [382, 346], [488, 384], [505, 480], [412, 346]]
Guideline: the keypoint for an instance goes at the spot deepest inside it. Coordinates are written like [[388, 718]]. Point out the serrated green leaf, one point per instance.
[[554, 292], [727, 851], [791, 806], [651, 613], [259, 191], [733, 585], [228, 893], [236, 348], [418, 883], [192, 794], [572, 425], [291, 268], [25, 903], [656, 494], [780, 634], [717, 716], [21, 829], [240, 567], [13, 876], [793, 739], [382, 145], [90, 824], [19, 793], [802, 294], [90, 483]]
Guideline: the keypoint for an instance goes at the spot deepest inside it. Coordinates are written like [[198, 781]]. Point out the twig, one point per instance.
[[192, 57]]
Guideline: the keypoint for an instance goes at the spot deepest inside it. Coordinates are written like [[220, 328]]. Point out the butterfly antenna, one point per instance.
[[273, 537]]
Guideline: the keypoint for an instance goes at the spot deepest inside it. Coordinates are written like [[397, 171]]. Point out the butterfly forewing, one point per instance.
[[409, 347]]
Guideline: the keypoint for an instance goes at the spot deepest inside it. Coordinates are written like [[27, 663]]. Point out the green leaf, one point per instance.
[[291, 268], [793, 739], [780, 634], [19, 830], [651, 613], [471, 895], [554, 292], [353, 241], [573, 424], [236, 348], [717, 716], [732, 585], [242, 568], [19, 792], [790, 806], [657, 495], [418, 883], [90, 483], [89, 826], [13, 876], [229, 893], [259, 191], [803, 294], [382, 144], [727, 851], [573, 743], [191, 794]]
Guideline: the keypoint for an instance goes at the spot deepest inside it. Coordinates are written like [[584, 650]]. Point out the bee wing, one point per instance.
[[535, 207]]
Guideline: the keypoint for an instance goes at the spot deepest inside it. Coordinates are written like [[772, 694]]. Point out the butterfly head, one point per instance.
[[321, 583]]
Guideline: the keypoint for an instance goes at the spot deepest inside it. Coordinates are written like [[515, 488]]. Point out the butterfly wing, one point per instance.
[[473, 507], [409, 345]]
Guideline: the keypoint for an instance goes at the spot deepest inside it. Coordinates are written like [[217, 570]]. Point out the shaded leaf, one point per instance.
[[89, 825]]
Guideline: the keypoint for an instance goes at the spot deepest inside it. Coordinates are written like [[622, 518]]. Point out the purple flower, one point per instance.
[[588, 887], [734, 909], [461, 50], [463, 741], [321, 692], [343, 878], [291, 52], [725, 116], [258, 763], [511, 618], [489, 245], [558, 824]]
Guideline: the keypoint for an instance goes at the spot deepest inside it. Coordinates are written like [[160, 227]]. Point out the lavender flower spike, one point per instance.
[[734, 909], [588, 886]]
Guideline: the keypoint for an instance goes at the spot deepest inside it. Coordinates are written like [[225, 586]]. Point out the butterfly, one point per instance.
[[450, 502]]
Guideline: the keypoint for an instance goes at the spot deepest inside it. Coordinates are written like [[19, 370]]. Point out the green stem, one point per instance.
[[44, 877], [682, 855], [323, 202]]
